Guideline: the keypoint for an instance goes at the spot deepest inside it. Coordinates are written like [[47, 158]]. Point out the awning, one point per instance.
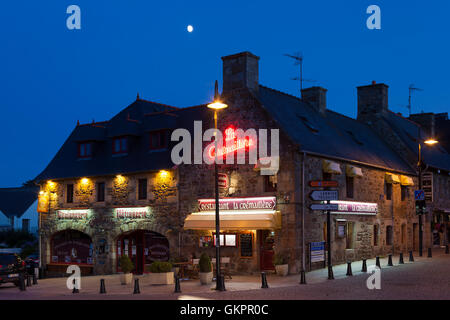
[[352, 171], [234, 220], [331, 167], [406, 181], [392, 178]]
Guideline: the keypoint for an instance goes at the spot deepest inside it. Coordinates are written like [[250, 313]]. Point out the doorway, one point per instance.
[[266, 243]]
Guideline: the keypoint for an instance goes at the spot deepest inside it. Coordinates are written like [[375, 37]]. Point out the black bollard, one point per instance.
[[177, 285], [102, 286], [28, 280], [34, 279], [446, 249], [222, 280], [390, 264], [349, 269], [136, 287], [75, 289], [21, 282], [264, 284], [400, 261], [429, 253], [411, 257], [378, 262], [302, 277], [364, 266], [330, 273]]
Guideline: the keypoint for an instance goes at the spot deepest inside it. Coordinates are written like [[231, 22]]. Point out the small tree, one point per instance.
[[204, 263], [160, 267], [126, 264]]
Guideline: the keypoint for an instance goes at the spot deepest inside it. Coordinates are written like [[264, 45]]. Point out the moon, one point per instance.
[[190, 28]]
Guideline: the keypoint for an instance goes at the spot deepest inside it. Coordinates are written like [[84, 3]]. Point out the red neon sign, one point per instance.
[[231, 145]]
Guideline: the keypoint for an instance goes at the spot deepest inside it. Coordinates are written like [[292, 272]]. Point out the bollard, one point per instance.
[[364, 266], [21, 282], [429, 253], [34, 279], [400, 261], [446, 249], [28, 280], [302, 277], [411, 257], [390, 264], [378, 262], [349, 269], [222, 281], [177, 285], [330, 273], [136, 287], [102, 286], [264, 284], [75, 289]]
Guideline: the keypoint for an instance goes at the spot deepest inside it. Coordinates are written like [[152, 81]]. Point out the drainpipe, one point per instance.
[[303, 212]]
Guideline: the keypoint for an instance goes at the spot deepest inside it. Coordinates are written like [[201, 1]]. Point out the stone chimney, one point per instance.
[[240, 71], [316, 97], [426, 121], [372, 100]]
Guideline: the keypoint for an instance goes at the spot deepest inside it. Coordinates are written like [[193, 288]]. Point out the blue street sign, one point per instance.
[[419, 195]]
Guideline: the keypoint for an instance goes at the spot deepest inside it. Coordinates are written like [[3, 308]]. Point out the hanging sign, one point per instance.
[[73, 214], [43, 203], [359, 208]]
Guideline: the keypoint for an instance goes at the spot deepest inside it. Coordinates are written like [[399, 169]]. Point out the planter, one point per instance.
[[282, 269], [206, 277], [161, 278], [126, 278]]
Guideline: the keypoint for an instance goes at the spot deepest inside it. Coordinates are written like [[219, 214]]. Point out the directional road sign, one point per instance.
[[325, 207]]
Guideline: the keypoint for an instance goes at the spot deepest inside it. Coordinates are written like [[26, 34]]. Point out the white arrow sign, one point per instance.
[[325, 195], [325, 207]]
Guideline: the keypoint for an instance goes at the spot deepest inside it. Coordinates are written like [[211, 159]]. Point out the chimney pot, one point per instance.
[[372, 100], [316, 97]]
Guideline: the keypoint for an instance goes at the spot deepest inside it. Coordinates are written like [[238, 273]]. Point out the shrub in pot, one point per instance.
[[127, 266], [280, 260], [205, 267], [161, 273]]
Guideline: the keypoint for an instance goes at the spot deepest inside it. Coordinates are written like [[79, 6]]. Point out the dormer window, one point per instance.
[[84, 150], [120, 145], [158, 140]]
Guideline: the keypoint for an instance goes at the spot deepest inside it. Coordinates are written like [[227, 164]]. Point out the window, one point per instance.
[[404, 192], [69, 195], [270, 183], [388, 191], [226, 240], [158, 140], [100, 191], [375, 235], [142, 192], [349, 235], [349, 186], [120, 145], [389, 235], [84, 150]]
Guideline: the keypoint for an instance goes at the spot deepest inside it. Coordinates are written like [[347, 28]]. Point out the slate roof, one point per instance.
[[15, 201], [332, 134], [435, 156]]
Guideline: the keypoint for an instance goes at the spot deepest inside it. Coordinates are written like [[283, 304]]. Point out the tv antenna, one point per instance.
[[298, 57], [411, 89]]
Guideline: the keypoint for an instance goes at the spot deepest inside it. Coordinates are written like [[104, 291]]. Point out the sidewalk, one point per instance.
[[56, 288]]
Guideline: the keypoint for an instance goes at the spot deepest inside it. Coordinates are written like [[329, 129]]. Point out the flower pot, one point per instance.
[[161, 278], [282, 269], [126, 278], [206, 277]]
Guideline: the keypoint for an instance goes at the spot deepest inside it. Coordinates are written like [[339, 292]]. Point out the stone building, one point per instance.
[[113, 188]]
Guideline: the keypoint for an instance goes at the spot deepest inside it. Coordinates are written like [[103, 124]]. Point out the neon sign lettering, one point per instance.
[[232, 144]]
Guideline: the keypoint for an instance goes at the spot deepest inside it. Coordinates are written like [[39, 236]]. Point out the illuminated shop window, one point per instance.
[[226, 240]]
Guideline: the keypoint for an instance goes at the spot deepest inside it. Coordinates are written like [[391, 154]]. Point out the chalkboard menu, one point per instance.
[[246, 244]]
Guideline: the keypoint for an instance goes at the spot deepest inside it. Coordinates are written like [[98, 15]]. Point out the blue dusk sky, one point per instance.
[[50, 76]]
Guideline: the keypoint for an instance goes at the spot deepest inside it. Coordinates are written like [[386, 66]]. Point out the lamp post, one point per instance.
[[429, 142], [216, 106]]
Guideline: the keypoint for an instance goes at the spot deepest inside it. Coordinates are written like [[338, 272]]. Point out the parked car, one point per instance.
[[11, 265]]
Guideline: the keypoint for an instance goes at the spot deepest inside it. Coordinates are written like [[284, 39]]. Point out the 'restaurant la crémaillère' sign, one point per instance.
[[257, 203]]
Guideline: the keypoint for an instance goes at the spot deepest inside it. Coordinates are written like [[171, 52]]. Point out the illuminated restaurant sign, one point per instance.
[[73, 214], [350, 207], [132, 213], [258, 203]]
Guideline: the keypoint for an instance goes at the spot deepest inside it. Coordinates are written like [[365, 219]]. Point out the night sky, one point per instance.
[[50, 76]]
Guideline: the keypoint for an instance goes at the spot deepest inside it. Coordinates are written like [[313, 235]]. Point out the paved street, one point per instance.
[[426, 278]]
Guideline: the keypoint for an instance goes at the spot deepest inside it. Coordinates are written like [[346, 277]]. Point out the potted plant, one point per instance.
[[161, 273], [280, 260], [127, 266], [205, 267]]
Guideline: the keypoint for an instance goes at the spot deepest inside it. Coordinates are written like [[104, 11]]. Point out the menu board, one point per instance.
[[246, 244]]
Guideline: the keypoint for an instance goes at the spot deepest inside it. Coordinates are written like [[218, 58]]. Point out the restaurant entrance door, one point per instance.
[[266, 242]]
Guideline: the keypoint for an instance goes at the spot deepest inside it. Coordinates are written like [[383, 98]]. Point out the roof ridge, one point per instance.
[[398, 115], [93, 124], [161, 104], [284, 93]]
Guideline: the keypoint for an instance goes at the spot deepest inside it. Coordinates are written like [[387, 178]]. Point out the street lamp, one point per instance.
[[429, 142], [216, 106]]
